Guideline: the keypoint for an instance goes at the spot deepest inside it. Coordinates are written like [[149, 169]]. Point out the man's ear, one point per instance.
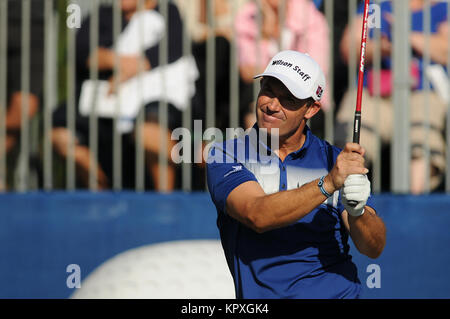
[[313, 109]]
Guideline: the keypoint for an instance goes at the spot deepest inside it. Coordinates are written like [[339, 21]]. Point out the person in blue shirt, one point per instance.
[[283, 204], [419, 98]]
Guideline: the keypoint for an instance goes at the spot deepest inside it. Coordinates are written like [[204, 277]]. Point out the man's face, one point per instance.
[[276, 107], [129, 5]]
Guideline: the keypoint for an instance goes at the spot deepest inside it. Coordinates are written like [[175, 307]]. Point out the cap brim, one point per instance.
[[291, 86]]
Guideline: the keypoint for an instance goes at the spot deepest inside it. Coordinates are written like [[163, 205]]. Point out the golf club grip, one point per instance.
[[357, 127], [356, 130]]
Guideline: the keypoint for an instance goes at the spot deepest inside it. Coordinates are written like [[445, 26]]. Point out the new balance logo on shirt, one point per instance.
[[235, 169]]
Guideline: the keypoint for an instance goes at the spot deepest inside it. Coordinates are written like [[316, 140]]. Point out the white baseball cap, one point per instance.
[[299, 73]]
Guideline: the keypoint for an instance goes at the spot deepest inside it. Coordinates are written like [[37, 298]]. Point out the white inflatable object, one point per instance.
[[193, 269]]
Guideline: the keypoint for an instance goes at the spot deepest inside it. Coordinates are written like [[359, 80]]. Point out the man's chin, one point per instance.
[[269, 127]]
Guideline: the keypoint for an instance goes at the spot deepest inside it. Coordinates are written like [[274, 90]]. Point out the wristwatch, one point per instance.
[[322, 189]]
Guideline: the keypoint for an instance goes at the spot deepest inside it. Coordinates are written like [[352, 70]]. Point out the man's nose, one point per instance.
[[274, 105]]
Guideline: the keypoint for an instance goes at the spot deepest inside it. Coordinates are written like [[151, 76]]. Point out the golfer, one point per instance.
[[283, 214]]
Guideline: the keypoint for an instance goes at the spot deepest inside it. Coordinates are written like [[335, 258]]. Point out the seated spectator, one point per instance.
[[152, 80], [195, 13], [201, 31], [439, 53], [305, 30]]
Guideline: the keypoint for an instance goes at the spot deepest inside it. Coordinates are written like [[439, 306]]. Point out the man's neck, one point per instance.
[[292, 142]]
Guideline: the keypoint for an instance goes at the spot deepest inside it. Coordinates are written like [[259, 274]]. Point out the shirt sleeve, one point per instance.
[[224, 173], [174, 37], [105, 40], [438, 16]]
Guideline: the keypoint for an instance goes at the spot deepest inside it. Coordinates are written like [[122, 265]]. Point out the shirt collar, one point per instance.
[[296, 153], [305, 145]]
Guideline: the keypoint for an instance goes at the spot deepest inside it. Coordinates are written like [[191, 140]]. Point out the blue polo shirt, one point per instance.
[[308, 259]]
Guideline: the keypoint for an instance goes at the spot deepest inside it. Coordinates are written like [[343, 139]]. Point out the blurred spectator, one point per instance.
[[305, 29], [196, 18], [340, 74], [129, 45], [200, 29], [15, 95], [438, 51]]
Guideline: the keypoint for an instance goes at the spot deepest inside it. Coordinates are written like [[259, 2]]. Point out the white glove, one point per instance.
[[357, 189]]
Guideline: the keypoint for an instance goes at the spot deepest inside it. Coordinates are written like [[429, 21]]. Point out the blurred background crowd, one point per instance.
[[91, 91]]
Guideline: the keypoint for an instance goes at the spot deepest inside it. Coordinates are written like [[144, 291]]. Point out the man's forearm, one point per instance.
[[368, 233], [249, 204], [284, 208], [438, 49], [105, 58]]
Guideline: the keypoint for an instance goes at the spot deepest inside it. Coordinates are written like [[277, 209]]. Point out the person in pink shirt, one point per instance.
[[305, 29]]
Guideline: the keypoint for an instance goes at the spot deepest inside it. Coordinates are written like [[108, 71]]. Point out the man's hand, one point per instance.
[[129, 66], [349, 161], [356, 189], [271, 25]]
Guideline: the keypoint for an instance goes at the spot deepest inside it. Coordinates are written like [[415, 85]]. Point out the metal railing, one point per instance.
[[59, 41]]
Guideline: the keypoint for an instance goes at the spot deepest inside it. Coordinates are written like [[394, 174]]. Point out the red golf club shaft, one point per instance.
[[357, 122]]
